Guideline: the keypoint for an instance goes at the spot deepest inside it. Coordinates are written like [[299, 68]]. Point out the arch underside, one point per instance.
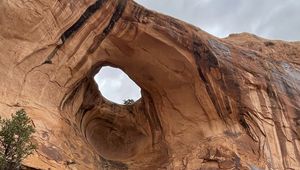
[[197, 94]]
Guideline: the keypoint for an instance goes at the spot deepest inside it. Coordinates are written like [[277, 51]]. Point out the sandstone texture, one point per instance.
[[207, 103]]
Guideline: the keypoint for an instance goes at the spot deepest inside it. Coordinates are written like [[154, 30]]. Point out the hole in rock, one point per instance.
[[116, 86]]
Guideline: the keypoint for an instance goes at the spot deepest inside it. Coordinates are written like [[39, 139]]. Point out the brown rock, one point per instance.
[[207, 103]]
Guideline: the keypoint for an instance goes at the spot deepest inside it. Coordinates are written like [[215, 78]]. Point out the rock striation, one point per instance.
[[207, 103]]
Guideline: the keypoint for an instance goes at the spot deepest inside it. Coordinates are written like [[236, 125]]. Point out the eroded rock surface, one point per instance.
[[207, 103]]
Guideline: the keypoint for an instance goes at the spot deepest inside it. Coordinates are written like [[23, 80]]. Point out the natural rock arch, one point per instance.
[[206, 102]]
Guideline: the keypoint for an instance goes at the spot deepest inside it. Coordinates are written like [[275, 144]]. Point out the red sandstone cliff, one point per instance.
[[207, 103]]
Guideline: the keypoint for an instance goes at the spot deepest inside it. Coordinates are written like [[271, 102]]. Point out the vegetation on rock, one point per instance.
[[128, 102], [15, 140]]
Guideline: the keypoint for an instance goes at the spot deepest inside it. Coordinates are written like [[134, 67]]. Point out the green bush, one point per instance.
[[15, 140], [128, 102]]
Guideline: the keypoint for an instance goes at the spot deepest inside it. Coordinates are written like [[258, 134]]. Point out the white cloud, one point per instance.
[[274, 19], [116, 86]]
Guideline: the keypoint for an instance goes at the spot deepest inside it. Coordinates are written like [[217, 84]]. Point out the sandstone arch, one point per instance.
[[206, 102]]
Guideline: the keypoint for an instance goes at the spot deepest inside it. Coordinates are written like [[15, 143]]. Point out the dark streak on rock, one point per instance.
[[116, 16], [288, 89], [269, 43], [275, 107], [152, 116], [227, 105], [204, 58], [197, 46], [175, 24], [51, 55], [26, 167], [75, 27], [86, 15], [219, 48], [244, 123]]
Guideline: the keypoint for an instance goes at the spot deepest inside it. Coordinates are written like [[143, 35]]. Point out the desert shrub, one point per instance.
[[15, 140], [128, 102]]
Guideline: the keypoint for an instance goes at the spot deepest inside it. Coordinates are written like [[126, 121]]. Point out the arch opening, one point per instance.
[[116, 86]]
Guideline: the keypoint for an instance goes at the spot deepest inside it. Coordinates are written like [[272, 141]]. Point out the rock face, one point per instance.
[[207, 103]]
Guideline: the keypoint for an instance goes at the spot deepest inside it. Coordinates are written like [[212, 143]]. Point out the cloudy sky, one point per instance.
[[116, 86], [273, 19]]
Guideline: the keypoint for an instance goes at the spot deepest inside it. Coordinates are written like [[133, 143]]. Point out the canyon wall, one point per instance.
[[207, 103]]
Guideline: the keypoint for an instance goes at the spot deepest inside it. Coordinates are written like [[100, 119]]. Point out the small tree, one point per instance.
[[128, 101], [15, 140]]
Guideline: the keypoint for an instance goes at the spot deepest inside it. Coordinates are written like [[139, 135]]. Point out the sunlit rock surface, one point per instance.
[[207, 103]]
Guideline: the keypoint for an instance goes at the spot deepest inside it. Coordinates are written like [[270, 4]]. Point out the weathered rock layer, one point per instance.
[[207, 103]]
